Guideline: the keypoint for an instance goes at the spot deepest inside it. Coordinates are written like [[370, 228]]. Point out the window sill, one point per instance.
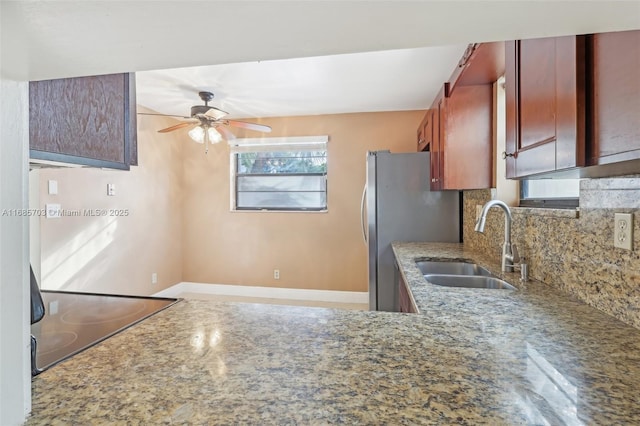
[[279, 211], [559, 213]]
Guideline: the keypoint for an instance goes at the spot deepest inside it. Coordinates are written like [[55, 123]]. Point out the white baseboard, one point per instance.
[[266, 292]]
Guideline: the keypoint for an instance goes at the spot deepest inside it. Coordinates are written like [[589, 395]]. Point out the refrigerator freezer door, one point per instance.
[[371, 229], [403, 208]]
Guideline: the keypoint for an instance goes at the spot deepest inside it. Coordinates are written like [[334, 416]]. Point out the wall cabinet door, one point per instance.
[[462, 147], [425, 132], [545, 90], [87, 120], [436, 143], [616, 97]]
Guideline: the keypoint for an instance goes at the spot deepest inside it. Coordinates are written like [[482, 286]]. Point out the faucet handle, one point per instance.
[[524, 271], [515, 257]]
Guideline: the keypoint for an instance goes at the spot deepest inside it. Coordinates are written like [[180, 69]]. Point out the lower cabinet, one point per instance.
[[404, 298]]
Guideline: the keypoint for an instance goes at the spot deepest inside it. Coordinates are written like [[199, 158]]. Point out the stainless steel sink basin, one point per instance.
[[451, 268], [468, 281]]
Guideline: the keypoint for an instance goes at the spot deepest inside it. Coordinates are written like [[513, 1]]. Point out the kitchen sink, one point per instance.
[[451, 268], [468, 281]]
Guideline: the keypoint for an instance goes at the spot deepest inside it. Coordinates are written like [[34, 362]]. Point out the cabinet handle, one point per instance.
[[362, 218]]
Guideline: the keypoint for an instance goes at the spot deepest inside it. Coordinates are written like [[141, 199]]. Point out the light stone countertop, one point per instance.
[[471, 357]]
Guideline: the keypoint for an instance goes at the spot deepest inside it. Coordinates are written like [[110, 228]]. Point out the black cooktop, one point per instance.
[[74, 321]]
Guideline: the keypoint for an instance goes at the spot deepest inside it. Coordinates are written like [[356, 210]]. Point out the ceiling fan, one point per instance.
[[207, 123]]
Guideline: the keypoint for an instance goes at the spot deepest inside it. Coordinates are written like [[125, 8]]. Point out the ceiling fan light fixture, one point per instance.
[[197, 134], [214, 135], [207, 120]]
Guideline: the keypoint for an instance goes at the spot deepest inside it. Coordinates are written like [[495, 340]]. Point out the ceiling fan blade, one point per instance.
[[250, 126], [177, 126], [162, 115], [215, 113], [226, 134]]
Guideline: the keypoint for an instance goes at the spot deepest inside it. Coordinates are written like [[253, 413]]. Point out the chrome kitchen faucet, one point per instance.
[[509, 251]]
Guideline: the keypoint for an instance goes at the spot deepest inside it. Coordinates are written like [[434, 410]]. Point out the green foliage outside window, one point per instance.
[[282, 162]]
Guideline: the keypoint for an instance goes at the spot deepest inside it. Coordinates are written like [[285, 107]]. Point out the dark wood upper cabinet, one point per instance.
[[546, 105], [425, 132], [458, 128], [436, 145], [89, 121], [615, 105], [481, 63], [462, 144]]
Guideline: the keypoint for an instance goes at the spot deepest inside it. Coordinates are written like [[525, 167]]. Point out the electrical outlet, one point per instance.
[[111, 189], [154, 278], [478, 212], [276, 274], [623, 231], [53, 211]]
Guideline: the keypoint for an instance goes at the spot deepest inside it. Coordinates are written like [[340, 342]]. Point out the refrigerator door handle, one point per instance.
[[362, 224]]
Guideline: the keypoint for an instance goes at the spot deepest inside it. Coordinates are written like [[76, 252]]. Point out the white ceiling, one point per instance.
[[52, 39], [392, 80]]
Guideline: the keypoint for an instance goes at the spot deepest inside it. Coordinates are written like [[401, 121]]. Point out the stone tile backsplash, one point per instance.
[[573, 250]]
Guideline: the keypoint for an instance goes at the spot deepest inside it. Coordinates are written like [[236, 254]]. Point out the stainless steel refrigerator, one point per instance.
[[397, 205]]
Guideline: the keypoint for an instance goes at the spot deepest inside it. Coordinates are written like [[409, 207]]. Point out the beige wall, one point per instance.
[[180, 224], [322, 251], [117, 254]]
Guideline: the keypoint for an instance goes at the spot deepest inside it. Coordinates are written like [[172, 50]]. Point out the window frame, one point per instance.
[[280, 144], [545, 202]]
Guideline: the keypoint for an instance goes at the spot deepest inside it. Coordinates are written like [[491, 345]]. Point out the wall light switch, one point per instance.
[[111, 189], [53, 187], [53, 307], [623, 231]]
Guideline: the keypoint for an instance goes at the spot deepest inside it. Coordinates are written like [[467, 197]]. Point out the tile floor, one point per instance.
[[311, 303]]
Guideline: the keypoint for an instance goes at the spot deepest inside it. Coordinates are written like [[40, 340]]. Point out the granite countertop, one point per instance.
[[530, 356]]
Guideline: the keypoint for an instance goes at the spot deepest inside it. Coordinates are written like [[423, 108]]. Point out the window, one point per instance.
[[281, 174], [552, 193]]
